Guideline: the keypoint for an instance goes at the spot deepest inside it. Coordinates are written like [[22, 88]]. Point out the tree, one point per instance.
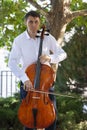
[[11, 19], [60, 14], [74, 69]]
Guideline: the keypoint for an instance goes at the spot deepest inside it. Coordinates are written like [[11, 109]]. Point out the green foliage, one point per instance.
[[8, 113], [72, 78], [12, 23], [76, 5], [70, 114], [73, 71], [81, 20]]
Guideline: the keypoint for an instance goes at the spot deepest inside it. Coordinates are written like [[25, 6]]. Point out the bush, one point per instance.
[[8, 113], [70, 114]]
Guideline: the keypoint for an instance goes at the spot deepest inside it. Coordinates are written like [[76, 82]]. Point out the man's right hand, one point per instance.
[[28, 85]]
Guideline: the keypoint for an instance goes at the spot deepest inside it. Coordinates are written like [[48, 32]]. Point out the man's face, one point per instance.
[[32, 24]]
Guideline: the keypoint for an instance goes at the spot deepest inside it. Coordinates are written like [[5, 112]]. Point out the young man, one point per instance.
[[26, 47]]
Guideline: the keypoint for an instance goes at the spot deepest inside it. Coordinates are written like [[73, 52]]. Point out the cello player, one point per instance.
[[25, 48]]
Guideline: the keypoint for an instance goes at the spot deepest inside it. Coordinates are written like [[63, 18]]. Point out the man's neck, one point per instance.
[[31, 34]]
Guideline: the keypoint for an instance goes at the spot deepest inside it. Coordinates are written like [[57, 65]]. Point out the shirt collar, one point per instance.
[[27, 35], [38, 34]]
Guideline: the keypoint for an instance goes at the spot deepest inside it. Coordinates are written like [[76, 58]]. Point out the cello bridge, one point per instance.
[[36, 97]]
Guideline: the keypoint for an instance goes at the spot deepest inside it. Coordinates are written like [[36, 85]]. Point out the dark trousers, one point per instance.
[[23, 94]]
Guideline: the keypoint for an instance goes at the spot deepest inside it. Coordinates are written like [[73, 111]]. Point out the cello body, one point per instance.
[[37, 110]]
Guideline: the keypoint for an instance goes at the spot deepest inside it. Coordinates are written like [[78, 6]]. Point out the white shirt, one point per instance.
[[26, 49]]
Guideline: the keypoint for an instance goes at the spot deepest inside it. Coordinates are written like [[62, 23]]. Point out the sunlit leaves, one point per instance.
[[12, 24]]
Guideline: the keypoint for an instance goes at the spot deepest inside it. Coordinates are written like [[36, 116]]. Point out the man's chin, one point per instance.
[[34, 32]]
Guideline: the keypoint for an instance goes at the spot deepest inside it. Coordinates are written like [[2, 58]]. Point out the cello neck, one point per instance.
[[38, 65]]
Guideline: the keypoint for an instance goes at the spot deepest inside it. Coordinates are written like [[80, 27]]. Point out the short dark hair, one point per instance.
[[32, 13]]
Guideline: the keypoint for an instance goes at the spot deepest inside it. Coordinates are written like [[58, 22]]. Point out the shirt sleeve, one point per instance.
[[13, 63], [58, 54]]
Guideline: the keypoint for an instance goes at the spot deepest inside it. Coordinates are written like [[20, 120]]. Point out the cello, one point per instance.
[[36, 109]]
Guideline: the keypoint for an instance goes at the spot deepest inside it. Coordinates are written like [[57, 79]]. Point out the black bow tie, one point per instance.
[[39, 33]]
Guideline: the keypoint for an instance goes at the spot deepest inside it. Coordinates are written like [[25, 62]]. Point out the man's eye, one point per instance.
[[36, 22], [31, 22]]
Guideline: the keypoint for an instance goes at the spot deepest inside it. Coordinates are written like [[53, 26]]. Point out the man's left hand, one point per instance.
[[45, 58]]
